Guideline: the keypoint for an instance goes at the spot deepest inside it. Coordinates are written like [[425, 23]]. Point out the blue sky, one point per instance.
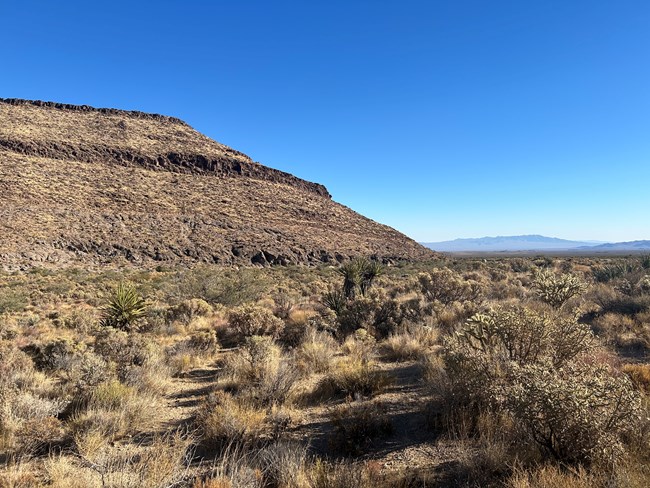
[[443, 119]]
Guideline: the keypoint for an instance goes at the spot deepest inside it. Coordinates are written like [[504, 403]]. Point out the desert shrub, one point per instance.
[[12, 300], [86, 370], [21, 413], [55, 355], [357, 426], [316, 352], [38, 436], [125, 308], [224, 419], [355, 377], [556, 289], [282, 305], [250, 320], [121, 348], [519, 265], [522, 335], [605, 274], [80, 320], [378, 315], [261, 372], [410, 344], [187, 310], [297, 325], [526, 363], [446, 287]]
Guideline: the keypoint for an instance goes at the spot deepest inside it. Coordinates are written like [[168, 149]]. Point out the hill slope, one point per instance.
[[80, 185]]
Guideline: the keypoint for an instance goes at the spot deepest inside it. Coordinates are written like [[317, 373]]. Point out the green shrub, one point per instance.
[[125, 308]]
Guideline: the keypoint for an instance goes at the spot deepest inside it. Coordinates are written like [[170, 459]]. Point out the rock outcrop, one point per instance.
[[87, 186]]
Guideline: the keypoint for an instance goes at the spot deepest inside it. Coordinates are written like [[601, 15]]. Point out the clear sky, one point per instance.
[[443, 119]]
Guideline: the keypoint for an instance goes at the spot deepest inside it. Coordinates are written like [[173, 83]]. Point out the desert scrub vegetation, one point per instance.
[[461, 372]]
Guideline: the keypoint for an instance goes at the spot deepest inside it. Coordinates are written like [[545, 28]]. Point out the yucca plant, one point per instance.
[[335, 300], [369, 272], [351, 272], [125, 308], [359, 275]]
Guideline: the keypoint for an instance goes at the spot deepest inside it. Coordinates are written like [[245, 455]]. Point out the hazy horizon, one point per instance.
[[440, 119]]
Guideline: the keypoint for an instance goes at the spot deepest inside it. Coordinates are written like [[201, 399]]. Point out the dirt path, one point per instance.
[[184, 394]]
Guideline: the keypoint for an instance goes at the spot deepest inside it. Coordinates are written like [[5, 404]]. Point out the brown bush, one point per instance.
[[357, 426], [249, 320]]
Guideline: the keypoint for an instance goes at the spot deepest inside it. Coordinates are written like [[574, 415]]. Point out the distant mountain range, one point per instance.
[[532, 243]]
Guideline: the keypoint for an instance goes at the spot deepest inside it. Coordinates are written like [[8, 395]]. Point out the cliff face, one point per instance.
[[80, 185]]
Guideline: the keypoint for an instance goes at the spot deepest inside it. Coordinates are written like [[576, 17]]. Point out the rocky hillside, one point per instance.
[[80, 185]]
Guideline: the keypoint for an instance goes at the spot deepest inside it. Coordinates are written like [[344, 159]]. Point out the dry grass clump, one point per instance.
[[355, 377], [411, 344], [357, 426], [225, 419], [316, 352], [162, 462], [195, 350], [112, 410], [640, 376], [27, 404], [261, 372]]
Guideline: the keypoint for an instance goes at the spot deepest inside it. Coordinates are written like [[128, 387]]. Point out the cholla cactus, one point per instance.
[[523, 335], [578, 413], [527, 363], [446, 287], [556, 289]]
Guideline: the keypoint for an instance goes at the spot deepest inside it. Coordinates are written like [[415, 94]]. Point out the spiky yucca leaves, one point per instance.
[[335, 300], [556, 289], [358, 276], [370, 271], [351, 272], [125, 308]]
